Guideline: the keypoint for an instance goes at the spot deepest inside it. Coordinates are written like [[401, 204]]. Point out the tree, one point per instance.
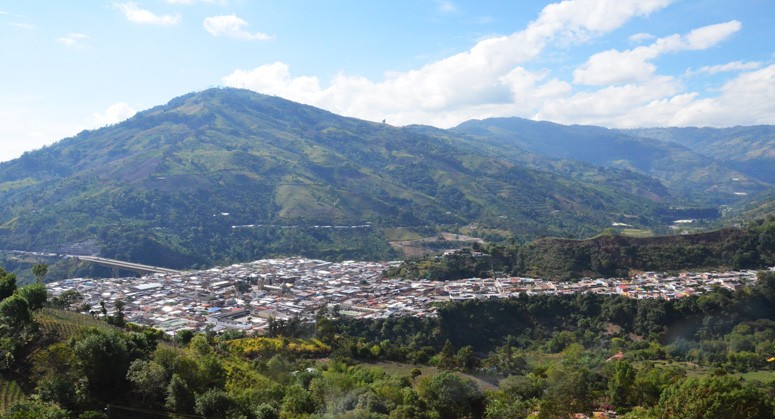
[[266, 411], [297, 401], [452, 396], [467, 359], [215, 403], [149, 379], [39, 270], [15, 312], [447, 360], [567, 392], [620, 385], [104, 358], [180, 399], [184, 336], [7, 284], [35, 294]]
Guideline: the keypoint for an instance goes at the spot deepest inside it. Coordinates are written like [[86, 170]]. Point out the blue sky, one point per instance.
[[69, 66]]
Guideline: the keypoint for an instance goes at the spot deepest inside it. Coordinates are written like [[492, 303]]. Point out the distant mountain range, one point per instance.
[[228, 174]]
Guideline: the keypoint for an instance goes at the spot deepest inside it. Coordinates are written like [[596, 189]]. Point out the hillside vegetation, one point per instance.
[[227, 174], [607, 255], [540, 356]]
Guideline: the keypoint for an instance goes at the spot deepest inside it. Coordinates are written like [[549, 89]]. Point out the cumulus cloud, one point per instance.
[[72, 39], [746, 99], [485, 81], [115, 113], [494, 78], [233, 27], [615, 67], [135, 14], [617, 105]]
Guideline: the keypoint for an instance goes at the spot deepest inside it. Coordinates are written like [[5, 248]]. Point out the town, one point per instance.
[[246, 296]]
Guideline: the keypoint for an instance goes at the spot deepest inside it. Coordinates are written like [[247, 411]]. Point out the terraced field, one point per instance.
[[10, 392], [66, 324]]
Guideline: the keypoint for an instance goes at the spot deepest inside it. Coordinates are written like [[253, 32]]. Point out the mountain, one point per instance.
[[687, 168], [228, 174], [750, 150]]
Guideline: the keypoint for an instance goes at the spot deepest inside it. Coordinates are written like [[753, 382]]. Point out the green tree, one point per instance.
[[35, 294], [39, 270], [297, 401], [266, 411], [447, 360], [452, 396], [620, 385], [148, 379], [15, 312], [467, 359], [567, 392], [215, 403], [104, 358], [180, 398], [7, 284]]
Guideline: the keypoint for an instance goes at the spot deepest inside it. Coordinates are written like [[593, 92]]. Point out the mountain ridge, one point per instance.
[[167, 186]]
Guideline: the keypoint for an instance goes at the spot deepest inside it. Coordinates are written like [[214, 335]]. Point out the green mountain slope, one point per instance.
[[228, 174], [750, 150], [696, 176]]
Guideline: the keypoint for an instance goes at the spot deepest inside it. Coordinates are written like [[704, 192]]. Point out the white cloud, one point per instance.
[[612, 105], [113, 115], [726, 68], [72, 39], [486, 80], [233, 27], [708, 36], [490, 80], [747, 99], [616, 67], [639, 38], [135, 14]]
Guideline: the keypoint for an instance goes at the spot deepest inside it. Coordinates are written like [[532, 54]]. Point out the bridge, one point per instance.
[[127, 266], [111, 263]]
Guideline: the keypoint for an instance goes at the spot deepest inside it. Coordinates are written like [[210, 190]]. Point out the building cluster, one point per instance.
[[246, 296]]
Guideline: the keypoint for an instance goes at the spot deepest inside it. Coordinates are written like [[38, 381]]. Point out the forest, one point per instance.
[[541, 356]]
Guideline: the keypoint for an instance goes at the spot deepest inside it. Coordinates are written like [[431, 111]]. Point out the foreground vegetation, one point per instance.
[[550, 356]]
